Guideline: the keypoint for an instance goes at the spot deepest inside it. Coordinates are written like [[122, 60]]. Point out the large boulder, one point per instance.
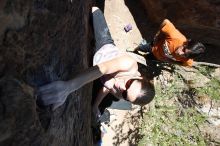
[[196, 19], [42, 41], [193, 13]]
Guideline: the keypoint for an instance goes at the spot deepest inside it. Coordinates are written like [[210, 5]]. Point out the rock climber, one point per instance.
[[117, 70]]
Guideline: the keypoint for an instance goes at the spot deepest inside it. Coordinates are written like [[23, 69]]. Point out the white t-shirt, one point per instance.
[[106, 53]]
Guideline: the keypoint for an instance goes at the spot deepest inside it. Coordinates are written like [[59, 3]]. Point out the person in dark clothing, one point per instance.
[[117, 70]]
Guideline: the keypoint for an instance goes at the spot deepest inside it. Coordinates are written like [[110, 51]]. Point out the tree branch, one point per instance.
[[206, 63]]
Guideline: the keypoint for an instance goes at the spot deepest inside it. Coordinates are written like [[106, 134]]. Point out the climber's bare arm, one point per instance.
[[119, 64], [56, 92], [100, 96]]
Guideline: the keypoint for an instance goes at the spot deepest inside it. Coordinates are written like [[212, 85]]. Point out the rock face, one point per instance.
[[204, 12], [43, 41], [196, 19]]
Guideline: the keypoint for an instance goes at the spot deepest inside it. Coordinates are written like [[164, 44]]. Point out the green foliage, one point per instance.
[[212, 90], [175, 87], [205, 70], [168, 125]]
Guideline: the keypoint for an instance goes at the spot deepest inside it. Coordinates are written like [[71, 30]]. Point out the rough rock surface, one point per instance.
[[43, 41]]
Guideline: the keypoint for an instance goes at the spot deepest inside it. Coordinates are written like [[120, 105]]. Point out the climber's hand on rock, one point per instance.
[[54, 93]]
